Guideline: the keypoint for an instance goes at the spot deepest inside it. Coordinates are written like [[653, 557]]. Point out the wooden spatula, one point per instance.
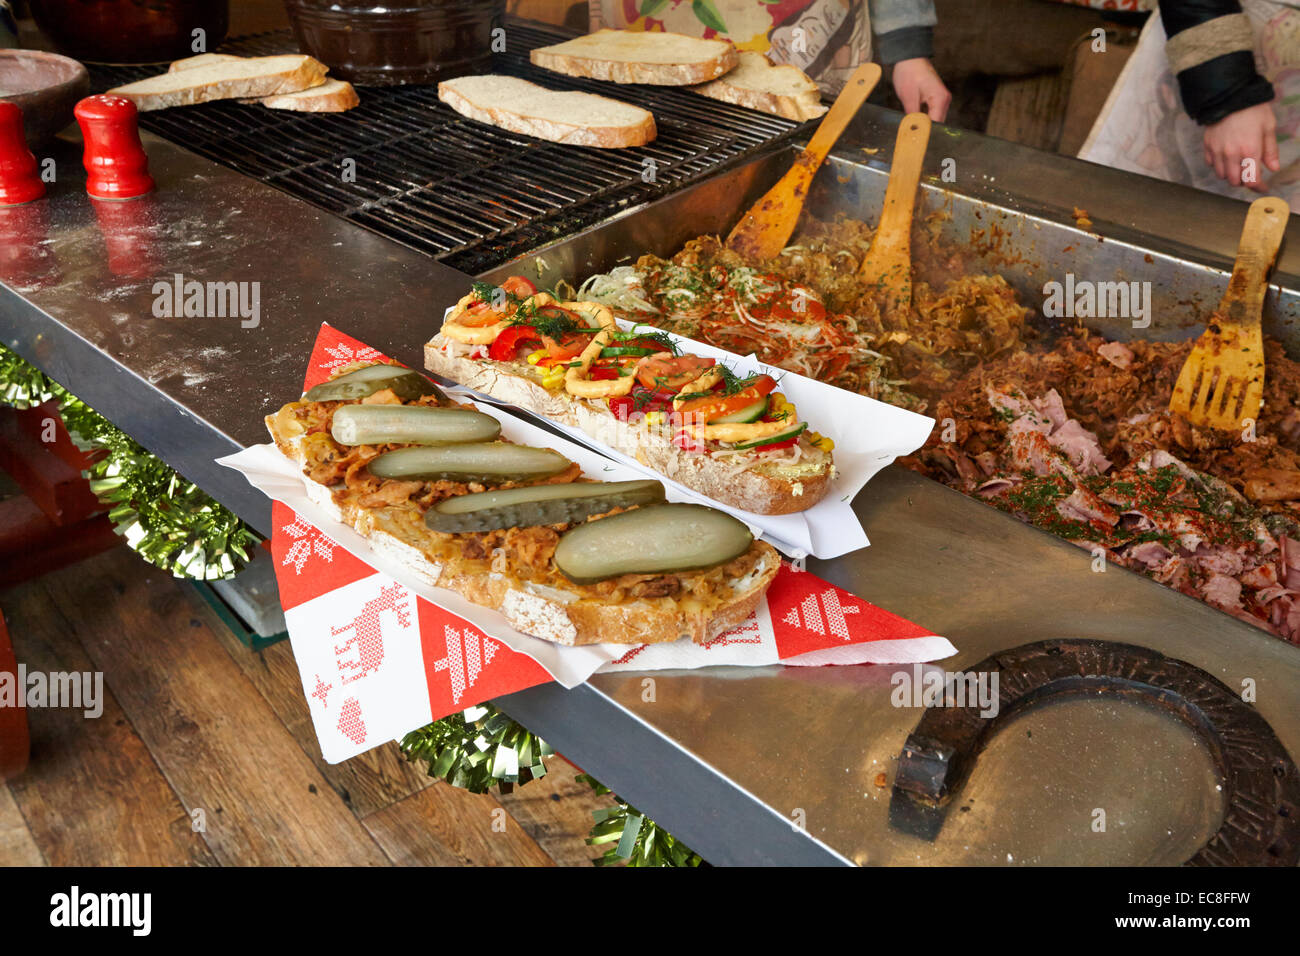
[[1222, 381], [888, 264], [765, 229]]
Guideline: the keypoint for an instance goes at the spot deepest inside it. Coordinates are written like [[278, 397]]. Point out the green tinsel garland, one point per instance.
[[637, 839], [482, 747], [22, 384], [478, 749], [167, 520]]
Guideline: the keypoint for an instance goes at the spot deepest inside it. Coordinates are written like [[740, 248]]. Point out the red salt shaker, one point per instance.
[[19, 180], [115, 161]]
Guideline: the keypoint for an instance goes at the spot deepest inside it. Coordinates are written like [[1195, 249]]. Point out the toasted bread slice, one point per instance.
[[332, 96], [763, 488], [578, 119], [624, 56], [565, 616], [225, 79], [202, 59], [780, 90]]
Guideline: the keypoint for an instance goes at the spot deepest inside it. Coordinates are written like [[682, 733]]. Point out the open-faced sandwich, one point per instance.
[[735, 439], [513, 527]]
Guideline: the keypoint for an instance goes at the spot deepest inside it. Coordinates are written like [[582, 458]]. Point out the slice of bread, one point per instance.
[[225, 79], [624, 56], [332, 96], [780, 90], [767, 489], [553, 614], [578, 119], [202, 59]]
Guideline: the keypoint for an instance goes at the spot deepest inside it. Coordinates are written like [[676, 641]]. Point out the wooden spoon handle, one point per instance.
[[1260, 238], [904, 178], [845, 107]]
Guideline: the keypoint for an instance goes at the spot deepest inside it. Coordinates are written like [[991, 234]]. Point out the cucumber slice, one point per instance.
[[750, 413], [657, 539], [773, 439], [364, 382], [539, 504], [411, 425], [625, 351], [495, 462]]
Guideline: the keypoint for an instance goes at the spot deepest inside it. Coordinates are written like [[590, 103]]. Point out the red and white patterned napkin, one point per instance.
[[381, 654]]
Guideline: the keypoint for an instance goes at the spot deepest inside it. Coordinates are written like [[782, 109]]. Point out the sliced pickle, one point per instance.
[[539, 504], [407, 384], [411, 425], [658, 539], [493, 462]]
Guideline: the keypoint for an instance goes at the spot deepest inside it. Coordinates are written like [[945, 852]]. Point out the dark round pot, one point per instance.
[[406, 41], [45, 86], [132, 31]]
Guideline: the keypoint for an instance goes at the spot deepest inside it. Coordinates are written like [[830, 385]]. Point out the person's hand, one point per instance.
[[1246, 134], [917, 84]]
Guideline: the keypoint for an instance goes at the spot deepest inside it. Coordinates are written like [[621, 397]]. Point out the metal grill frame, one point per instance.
[[470, 195]]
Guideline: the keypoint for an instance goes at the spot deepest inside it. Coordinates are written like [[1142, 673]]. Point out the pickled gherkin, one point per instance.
[[488, 462], [657, 539], [411, 425], [406, 384], [539, 505]]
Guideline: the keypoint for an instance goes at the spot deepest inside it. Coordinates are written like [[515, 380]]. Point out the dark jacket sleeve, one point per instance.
[[904, 29], [1211, 51]]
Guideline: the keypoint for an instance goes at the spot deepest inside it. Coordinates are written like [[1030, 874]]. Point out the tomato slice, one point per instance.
[[669, 371], [515, 344], [519, 286], [602, 373], [569, 345], [710, 407]]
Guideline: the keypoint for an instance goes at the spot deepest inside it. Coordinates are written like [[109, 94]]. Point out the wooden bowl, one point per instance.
[[45, 86]]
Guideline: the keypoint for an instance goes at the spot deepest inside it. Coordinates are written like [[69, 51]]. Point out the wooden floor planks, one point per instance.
[[193, 720], [17, 847], [92, 794]]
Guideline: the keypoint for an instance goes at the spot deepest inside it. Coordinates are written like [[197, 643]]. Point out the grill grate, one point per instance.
[[468, 194]]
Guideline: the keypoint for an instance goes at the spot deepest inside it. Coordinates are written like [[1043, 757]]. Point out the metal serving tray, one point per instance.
[[979, 576]]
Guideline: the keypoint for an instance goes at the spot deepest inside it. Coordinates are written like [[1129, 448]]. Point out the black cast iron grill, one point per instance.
[[468, 194]]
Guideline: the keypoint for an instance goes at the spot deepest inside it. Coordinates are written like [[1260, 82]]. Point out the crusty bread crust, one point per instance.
[[518, 119], [574, 623], [749, 489], [582, 57]]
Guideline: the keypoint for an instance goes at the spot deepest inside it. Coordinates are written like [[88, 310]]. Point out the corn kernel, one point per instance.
[[535, 357], [654, 418], [821, 441], [554, 378]]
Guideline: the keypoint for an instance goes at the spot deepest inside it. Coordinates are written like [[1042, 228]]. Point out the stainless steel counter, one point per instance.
[[729, 759]]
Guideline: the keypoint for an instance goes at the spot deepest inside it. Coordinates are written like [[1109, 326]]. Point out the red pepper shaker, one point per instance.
[[116, 164], [19, 180]]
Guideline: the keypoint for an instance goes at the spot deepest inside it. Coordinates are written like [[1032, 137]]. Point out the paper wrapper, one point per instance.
[[868, 435], [381, 652]]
